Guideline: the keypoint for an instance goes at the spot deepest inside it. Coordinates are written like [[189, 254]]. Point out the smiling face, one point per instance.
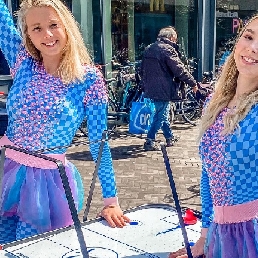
[[246, 51], [46, 31]]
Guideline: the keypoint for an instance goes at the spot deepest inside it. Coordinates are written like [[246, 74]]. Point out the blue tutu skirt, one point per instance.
[[232, 240], [37, 195]]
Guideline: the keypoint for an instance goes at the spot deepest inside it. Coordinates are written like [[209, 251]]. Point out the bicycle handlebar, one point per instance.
[[110, 80]]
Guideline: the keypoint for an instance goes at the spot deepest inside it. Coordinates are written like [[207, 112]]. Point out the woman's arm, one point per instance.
[[207, 206], [10, 39], [177, 67], [96, 115]]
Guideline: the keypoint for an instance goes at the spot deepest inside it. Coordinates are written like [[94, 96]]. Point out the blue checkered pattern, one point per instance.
[[10, 39], [207, 206], [44, 113], [8, 229], [24, 230], [243, 151], [240, 167], [96, 126], [12, 229]]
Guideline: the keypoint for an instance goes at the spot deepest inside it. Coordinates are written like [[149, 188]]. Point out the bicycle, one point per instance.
[[189, 108], [122, 90]]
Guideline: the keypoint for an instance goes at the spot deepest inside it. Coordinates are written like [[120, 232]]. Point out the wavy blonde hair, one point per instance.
[[75, 54], [225, 90]]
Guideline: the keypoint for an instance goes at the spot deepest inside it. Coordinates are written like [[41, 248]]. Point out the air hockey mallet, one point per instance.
[[175, 196]]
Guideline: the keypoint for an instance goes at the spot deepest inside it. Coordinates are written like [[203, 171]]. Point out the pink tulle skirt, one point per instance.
[[37, 195]]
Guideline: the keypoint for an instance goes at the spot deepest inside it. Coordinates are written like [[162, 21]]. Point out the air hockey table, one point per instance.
[[155, 230]]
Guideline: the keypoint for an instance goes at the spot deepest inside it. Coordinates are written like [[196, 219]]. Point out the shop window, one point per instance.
[[119, 30], [135, 25], [140, 20], [229, 20]]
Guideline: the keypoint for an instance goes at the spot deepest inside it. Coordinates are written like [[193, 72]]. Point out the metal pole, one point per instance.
[[68, 193], [175, 196], [73, 210], [94, 177], [208, 35]]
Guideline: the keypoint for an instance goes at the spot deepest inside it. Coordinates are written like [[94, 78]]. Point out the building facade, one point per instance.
[[119, 30]]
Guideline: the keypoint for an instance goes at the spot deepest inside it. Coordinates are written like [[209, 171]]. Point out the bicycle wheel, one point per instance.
[[112, 107], [191, 109]]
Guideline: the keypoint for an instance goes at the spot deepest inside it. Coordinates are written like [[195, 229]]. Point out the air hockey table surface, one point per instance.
[[154, 232]]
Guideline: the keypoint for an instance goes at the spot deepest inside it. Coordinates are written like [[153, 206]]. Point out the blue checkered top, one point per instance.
[[44, 113], [230, 164]]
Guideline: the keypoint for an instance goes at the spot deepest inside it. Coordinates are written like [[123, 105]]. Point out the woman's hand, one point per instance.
[[197, 250], [114, 216]]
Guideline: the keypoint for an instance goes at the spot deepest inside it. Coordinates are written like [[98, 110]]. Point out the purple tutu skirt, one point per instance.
[[37, 195], [232, 240]]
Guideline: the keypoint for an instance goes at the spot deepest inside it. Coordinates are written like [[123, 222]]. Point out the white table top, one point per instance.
[[156, 233]]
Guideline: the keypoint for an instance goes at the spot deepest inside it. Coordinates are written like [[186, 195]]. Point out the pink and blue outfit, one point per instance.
[[229, 188], [44, 113]]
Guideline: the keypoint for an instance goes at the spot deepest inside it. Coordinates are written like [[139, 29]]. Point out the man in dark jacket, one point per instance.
[[160, 70]]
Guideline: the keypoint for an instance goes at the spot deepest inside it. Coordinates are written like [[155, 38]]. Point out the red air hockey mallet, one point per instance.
[[189, 218]]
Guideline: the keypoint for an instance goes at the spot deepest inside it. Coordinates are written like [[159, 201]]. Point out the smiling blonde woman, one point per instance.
[[229, 153], [55, 87]]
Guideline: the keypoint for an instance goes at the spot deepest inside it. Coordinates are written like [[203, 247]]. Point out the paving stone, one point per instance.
[[141, 176]]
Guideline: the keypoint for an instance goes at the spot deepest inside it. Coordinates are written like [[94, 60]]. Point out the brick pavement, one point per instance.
[[141, 176]]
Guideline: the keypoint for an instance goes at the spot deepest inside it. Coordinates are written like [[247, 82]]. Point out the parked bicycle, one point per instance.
[[189, 107], [122, 90]]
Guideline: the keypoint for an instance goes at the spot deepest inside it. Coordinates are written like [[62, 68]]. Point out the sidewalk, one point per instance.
[[141, 176]]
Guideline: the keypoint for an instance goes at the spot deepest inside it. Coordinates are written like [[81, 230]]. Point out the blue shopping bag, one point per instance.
[[141, 116]]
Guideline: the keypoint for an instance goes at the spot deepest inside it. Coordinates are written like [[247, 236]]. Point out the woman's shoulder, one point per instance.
[[90, 69], [23, 55], [254, 112], [96, 90], [92, 73], [250, 121]]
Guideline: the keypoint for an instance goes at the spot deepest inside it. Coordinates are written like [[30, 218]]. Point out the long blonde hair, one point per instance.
[[75, 53], [225, 90]]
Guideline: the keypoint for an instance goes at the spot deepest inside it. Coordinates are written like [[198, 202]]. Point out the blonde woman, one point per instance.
[[229, 152], [55, 87]]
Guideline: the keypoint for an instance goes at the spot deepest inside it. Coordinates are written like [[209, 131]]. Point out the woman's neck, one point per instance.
[[244, 86], [51, 65]]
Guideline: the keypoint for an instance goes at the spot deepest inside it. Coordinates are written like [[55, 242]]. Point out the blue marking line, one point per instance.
[[133, 223], [168, 230]]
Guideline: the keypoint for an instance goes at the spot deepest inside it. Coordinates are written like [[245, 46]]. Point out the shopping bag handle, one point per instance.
[[143, 99]]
